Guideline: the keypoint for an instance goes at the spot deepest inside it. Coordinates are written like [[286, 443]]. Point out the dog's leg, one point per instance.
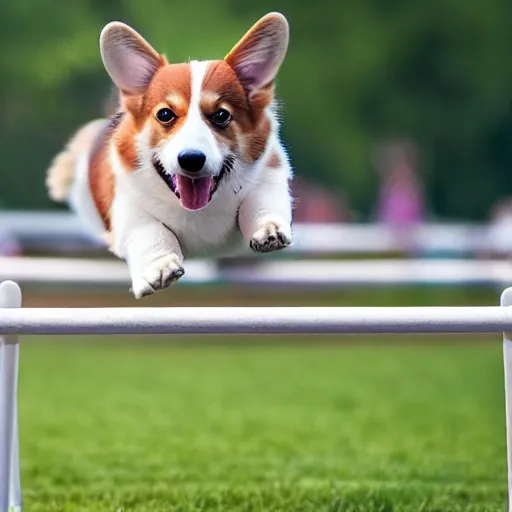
[[152, 251], [265, 214]]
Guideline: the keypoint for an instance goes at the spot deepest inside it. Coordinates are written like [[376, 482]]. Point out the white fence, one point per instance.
[[282, 273], [15, 320], [62, 230]]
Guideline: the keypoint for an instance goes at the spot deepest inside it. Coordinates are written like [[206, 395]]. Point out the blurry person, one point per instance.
[[9, 244], [401, 197], [317, 204]]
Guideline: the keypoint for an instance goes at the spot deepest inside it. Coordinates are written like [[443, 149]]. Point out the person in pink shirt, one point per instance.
[[9, 245], [401, 204]]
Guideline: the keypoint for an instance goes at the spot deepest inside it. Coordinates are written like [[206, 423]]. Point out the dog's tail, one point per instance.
[[60, 175]]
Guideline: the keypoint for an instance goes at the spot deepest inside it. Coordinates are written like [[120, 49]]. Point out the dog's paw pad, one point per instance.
[[159, 276], [270, 237]]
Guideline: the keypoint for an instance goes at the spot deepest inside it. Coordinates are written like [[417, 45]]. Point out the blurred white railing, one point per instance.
[[312, 273], [56, 230]]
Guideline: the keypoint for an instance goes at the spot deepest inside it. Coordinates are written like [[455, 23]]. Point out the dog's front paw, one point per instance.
[[270, 237], [158, 276]]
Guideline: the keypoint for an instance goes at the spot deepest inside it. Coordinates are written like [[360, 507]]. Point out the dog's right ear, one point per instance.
[[128, 58], [257, 57]]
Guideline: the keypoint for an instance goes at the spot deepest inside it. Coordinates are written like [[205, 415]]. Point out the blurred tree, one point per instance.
[[357, 72], [366, 70]]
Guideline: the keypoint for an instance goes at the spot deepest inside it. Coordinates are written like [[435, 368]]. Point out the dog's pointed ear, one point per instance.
[[128, 58], [257, 57]]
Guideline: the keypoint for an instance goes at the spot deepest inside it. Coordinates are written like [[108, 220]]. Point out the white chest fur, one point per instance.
[[210, 231]]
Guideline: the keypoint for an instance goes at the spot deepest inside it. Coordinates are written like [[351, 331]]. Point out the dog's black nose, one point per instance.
[[191, 160]]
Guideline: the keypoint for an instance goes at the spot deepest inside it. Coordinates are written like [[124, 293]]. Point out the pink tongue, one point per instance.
[[194, 194]]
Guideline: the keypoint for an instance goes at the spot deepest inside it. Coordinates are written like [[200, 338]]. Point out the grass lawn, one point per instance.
[[365, 426]]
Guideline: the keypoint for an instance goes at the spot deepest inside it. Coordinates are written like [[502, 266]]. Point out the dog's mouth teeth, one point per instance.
[[169, 179], [194, 195], [227, 167]]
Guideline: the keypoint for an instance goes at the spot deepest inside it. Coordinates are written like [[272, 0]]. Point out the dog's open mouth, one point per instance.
[[193, 193]]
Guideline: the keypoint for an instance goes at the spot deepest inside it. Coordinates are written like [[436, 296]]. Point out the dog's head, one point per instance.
[[192, 122]]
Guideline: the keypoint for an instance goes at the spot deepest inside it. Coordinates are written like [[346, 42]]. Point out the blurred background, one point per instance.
[[393, 112], [360, 77], [398, 119]]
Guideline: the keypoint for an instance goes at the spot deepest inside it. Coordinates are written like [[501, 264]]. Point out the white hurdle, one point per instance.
[[15, 321], [10, 485]]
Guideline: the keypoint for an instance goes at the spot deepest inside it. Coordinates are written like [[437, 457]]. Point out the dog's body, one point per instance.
[[191, 164]]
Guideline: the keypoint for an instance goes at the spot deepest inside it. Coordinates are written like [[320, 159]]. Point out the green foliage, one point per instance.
[[357, 72]]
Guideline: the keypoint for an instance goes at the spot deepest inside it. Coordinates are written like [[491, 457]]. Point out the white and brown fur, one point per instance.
[[108, 174]]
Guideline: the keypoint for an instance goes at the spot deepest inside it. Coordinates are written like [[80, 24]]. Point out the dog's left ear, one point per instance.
[[128, 58], [257, 57]]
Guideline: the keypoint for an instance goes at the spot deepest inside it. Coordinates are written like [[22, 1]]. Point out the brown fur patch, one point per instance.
[[221, 80], [257, 140], [262, 98], [171, 81], [250, 123], [173, 78], [124, 140], [273, 160], [101, 176]]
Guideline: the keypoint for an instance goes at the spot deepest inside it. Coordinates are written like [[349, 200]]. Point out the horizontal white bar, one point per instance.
[[374, 272], [296, 273], [255, 320], [88, 271], [44, 228]]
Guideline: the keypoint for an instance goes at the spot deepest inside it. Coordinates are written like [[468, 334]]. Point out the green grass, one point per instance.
[[382, 426]]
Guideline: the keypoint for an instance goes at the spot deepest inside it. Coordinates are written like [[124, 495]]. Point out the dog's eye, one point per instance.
[[221, 118], [165, 115]]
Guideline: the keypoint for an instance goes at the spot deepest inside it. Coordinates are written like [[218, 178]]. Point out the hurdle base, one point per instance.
[[10, 485]]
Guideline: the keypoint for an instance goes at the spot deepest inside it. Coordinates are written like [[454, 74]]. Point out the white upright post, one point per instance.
[[10, 488]]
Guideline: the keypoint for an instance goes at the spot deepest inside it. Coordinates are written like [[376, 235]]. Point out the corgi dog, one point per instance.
[[191, 163]]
